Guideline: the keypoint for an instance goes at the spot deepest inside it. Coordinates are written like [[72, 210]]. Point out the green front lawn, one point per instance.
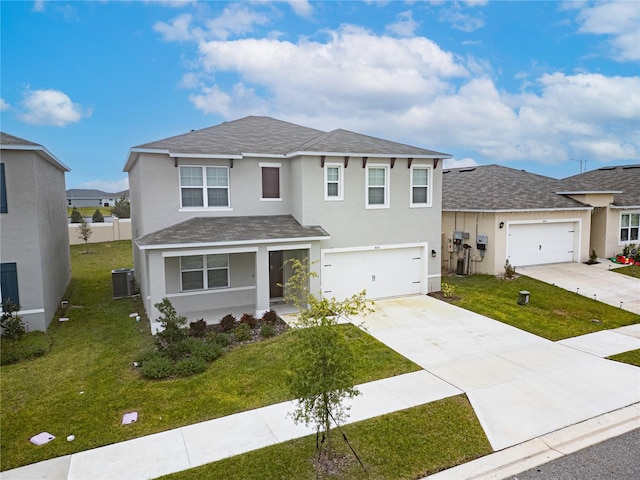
[[553, 313], [631, 270], [87, 381], [407, 444], [88, 211], [632, 357]]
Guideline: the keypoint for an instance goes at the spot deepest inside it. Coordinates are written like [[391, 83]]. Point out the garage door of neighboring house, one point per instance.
[[383, 272], [540, 243]]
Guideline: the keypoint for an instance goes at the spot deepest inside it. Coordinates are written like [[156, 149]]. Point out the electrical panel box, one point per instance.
[[447, 242], [481, 242], [466, 235], [457, 237]]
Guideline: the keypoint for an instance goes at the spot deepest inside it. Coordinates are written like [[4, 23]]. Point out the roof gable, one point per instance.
[[624, 180], [11, 142]]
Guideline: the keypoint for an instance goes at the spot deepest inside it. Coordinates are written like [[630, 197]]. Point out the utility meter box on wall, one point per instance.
[[481, 242]]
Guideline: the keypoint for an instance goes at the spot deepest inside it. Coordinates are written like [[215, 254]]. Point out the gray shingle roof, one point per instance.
[[7, 139], [267, 135], [621, 178], [87, 193], [494, 187], [223, 230]]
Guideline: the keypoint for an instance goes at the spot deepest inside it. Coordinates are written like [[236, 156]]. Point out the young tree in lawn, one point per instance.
[[84, 232], [97, 216], [122, 208], [322, 362]]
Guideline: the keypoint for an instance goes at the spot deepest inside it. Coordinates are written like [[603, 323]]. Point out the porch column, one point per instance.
[[156, 283], [262, 281]]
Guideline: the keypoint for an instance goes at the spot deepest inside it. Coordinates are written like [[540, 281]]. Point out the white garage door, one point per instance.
[[540, 243], [384, 272]]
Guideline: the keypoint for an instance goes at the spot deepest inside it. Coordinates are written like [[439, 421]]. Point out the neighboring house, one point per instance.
[[36, 265], [217, 212], [531, 219], [614, 192], [83, 197], [513, 215]]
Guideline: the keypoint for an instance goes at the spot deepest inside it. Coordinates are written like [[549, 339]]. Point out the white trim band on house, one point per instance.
[[37, 148], [551, 210], [229, 243], [369, 155], [588, 192], [209, 291]]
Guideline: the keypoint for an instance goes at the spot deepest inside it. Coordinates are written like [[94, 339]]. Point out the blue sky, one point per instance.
[[533, 85]]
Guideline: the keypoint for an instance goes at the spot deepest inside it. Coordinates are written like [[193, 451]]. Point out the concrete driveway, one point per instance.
[[521, 386], [593, 281]]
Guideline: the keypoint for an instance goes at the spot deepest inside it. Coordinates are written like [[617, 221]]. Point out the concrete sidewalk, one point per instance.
[[593, 281], [194, 445]]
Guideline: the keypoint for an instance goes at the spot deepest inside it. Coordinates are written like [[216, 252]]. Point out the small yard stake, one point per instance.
[[594, 296], [621, 304]]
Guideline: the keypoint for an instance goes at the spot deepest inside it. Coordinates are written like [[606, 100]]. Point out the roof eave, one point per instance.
[[168, 246], [588, 192], [369, 155], [514, 210], [50, 157]]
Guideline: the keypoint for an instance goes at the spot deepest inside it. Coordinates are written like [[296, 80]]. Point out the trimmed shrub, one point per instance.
[[207, 351], [157, 367], [145, 356], [242, 333], [198, 328], [270, 316], [31, 345], [76, 216], [249, 319], [227, 323], [190, 366], [267, 330], [11, 323], [97, 216], [220, 339], [448, 290]]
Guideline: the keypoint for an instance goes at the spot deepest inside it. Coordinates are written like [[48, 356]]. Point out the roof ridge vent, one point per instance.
[[607, 168], [630, 167], [467, 169]]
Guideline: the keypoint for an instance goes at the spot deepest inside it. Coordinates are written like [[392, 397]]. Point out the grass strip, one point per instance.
[[408, 444], [632, 357]]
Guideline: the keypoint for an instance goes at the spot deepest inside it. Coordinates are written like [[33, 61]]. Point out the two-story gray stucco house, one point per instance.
[[34, 236], [217, 212]]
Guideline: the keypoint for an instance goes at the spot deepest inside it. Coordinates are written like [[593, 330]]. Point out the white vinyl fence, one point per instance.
[[117, 229]]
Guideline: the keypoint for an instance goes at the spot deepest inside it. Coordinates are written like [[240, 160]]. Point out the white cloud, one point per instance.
[[405, 26], [619, 21], [109, 186], [302, 8], [4, 105], [38, 6], [459, 163], [178, 30], [459, 20], [51, 107]]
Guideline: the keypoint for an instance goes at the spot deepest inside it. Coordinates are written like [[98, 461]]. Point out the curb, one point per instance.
[[519, 458]]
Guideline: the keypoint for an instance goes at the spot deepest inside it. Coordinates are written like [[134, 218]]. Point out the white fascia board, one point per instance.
[[229, 244], [588, 192], [42, 151], [470, 210], [263, 155], [216, 156], [625, 207], [368, 155]]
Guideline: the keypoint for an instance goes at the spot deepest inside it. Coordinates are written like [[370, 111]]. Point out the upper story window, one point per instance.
[[202, 272], [270, 181], [377, 191], [629, 226], [333, 189], [420, 186], [3, 191], [204, 187]]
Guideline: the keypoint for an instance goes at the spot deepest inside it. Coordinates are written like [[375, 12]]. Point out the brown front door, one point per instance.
[[276, 277]]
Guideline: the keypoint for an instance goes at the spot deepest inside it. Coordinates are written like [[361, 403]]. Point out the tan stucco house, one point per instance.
[[217, 212], [34, 238], [491, 214]]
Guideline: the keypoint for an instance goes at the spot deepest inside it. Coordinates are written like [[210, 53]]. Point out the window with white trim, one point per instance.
[[629, 226], [204, 187], [377, 190], [420, 186], [202, 272], [333, 183]]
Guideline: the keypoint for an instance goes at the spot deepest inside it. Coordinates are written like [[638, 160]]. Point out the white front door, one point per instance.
[[541, 243]]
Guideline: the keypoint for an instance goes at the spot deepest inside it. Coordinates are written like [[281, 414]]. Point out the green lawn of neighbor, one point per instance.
[[631, 270]]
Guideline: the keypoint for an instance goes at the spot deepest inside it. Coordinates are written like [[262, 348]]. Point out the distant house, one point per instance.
[[614, 194], [491, 214], [217, 212], [35, 258], [82, 197]]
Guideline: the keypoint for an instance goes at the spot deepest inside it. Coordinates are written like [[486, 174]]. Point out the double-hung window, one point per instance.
[[202, 272], [420, 187], [377, 191], [629, 226], [204, 187], [333, 182]]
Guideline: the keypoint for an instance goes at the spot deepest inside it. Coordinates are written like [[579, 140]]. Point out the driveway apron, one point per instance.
[[593, 281], [520, 385]]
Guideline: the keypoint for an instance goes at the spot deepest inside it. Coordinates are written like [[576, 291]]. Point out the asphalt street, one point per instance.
[[615, 459]]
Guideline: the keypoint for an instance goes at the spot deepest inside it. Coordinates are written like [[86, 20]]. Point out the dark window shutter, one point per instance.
[[9, 282], [3, 191], [270, 182]]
